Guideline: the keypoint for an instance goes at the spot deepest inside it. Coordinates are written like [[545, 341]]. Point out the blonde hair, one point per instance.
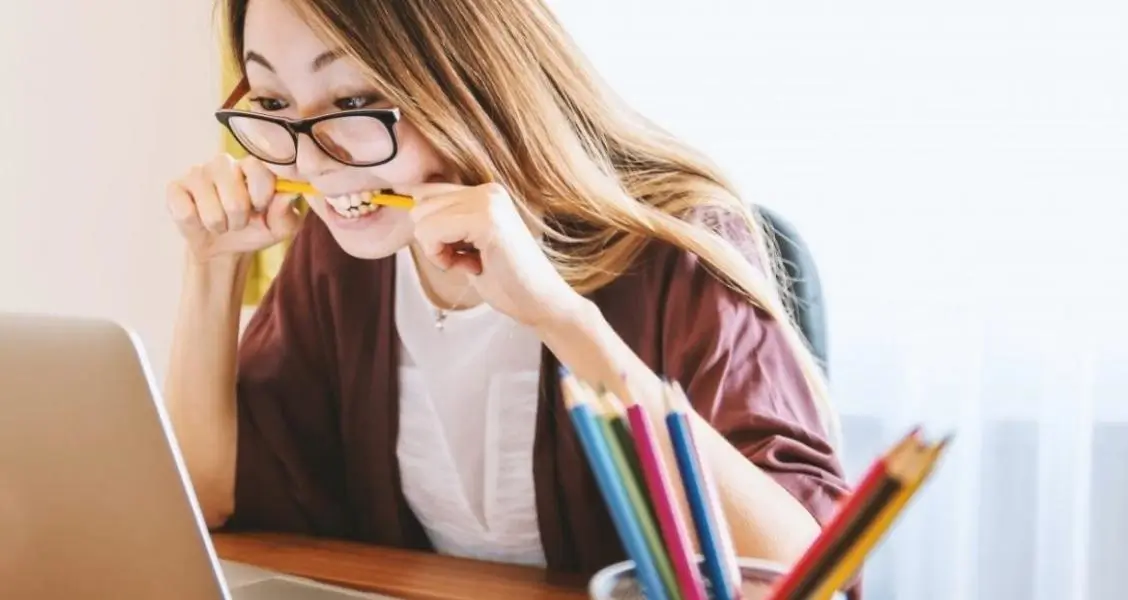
[[503, 94]]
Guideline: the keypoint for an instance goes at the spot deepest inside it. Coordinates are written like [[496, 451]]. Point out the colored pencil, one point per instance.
[[614, 493], [618, 440], [818, 559], [886, 491], [712, 529], [863, 520], [913, 476], [386, 197], [672, 523], [612, 411], [625, 457]]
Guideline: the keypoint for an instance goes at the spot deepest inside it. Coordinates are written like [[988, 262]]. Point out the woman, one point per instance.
[[398, 383]]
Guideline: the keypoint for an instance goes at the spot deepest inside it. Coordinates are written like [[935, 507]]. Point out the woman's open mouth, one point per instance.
[[352, 206]]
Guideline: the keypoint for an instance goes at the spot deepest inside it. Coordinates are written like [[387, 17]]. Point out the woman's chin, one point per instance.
[[368, 236]]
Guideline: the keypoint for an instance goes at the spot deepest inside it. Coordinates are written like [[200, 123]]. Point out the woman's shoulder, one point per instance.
[[672, 295], [662, 263]]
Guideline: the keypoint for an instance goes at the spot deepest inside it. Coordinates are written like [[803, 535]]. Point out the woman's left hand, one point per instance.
[[509, 269]]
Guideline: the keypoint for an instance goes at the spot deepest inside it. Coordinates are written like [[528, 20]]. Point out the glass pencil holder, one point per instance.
[[617, 581]]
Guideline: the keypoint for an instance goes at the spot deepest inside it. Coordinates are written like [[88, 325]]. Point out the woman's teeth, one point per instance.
[[352, 206]]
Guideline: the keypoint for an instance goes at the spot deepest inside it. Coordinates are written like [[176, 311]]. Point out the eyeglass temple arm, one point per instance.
[[237, 94]]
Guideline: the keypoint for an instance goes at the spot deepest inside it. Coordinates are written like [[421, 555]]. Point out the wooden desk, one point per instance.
[[400, 573]]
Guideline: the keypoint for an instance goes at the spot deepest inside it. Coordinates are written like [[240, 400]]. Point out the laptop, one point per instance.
[[95, 501]]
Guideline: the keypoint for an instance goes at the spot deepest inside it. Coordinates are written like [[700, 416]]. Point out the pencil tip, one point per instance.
[[678, 399], [945, 442]]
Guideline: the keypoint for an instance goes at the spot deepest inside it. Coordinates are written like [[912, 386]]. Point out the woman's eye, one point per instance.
[[269, 104], [354, 102]]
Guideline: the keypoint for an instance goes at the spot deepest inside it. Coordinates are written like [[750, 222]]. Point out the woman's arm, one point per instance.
[[200, 385], [766, 520], [706, 333]]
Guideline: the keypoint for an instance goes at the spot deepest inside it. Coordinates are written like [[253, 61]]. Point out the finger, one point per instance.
[[459, 259], [447, 228], [463, 203], [183, 209], [435, 234], [435, 208], [427, 191], [260, 182], [449, 239], [228, 178], [282, 218], [435, 250], [206, 199], [457, 256]]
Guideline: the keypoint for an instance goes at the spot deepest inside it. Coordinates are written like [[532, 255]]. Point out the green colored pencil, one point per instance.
[[621, 446]]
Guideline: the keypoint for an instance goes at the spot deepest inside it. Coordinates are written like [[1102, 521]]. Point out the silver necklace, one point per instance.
[[441, 314]]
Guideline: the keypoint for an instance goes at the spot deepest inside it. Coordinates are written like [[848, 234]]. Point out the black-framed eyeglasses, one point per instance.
[[363, 137]]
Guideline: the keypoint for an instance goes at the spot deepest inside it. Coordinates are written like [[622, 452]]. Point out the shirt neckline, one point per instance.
[[405, 262]]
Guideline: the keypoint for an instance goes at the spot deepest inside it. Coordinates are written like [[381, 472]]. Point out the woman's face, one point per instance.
[[294, 74]]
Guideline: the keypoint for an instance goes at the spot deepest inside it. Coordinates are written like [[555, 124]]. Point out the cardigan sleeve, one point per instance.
[[740, 373], [288, 461]]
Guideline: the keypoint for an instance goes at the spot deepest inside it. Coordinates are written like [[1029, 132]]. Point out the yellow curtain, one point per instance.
[[266, 262]]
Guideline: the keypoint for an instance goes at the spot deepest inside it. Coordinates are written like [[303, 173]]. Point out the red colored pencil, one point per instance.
[[848, 511], [670, 520]]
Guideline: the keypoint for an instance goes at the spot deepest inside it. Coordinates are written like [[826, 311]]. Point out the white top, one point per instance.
[[468, 405]]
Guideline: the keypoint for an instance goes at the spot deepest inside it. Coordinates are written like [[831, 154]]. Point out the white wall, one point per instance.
[[103, 102], [959, 169]]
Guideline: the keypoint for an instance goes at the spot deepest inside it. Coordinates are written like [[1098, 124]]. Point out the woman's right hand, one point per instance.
[[228, 207]]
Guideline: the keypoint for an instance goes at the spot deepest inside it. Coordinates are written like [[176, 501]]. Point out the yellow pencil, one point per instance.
[[385, 197], [853, 560]]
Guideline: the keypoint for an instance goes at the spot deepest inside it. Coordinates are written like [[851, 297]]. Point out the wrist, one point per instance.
[[568, 315], [219, 280], [583, 341]]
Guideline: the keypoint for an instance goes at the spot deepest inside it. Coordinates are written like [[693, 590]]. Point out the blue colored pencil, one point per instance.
[[614, 493], [712, 529], [621, 448]]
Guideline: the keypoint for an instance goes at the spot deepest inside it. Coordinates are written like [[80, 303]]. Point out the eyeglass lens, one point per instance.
[[349, 139]]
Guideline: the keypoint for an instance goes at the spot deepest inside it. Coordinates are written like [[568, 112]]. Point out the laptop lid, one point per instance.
[[94, 500]]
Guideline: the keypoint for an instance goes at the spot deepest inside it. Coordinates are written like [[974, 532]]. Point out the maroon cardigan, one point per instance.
[[318, 402]]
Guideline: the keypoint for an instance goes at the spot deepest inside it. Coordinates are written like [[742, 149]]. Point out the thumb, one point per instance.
[[424, 191], [282, 217]]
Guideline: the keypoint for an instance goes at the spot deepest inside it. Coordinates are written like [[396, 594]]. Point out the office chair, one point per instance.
[[804, 296]]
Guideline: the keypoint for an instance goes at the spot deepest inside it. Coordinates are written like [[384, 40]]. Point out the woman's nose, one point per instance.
[[311, 160]]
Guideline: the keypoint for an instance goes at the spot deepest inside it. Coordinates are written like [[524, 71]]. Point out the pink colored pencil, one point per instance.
[[670, 521]]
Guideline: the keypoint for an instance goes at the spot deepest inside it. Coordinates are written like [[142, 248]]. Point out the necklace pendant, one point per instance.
[[440, 321]]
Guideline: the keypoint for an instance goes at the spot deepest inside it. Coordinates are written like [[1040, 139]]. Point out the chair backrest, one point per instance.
[[805, 296]]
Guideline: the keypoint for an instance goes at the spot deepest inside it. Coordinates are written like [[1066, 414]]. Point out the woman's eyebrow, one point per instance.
[[323, 60], [254, 57]]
